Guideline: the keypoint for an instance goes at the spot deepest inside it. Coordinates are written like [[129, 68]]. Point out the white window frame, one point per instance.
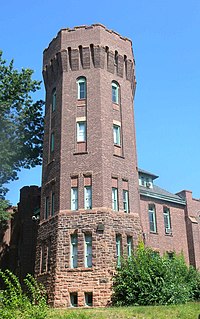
[[129, 245], [74, 251], [115, 93], [167, 220], [88, 197], [152, 218], [81, 131], [88, 250], [117, 134], [115, 205], [74, 198], [82, 94], [118, 249], [54, 100], [125, 201]]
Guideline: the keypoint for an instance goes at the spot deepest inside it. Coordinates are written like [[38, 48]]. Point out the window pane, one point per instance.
[[81, 132], [88, 299], [167, 222], [88, 197], [52, 142], [81, 88], [74, 299], [88, 251], [115, 93], [125, 201], [74, 251], [47, 207], [118, 249], [53, 100], [52, 204], [74, 198], [152, 218], [115, 199], [116, 134], [129, 245]]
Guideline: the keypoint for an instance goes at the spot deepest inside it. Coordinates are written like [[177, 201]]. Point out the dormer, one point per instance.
[[146, 178]]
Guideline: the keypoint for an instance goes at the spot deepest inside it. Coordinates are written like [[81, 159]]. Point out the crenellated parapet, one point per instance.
[[64, 54]]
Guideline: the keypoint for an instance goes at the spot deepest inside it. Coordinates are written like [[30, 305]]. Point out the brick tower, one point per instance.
[[90, 200]]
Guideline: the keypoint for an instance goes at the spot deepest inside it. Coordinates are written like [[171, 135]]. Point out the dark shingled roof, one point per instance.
[[142, 171], [159, 193]]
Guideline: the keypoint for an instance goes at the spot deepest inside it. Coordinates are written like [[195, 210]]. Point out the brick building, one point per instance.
[[90, 197], [95, 203]]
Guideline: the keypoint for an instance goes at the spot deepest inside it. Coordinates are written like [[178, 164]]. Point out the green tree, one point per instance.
[[21, 123], [146, 278]]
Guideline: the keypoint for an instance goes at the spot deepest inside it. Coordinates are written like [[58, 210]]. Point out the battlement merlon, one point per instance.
[[98, 47]]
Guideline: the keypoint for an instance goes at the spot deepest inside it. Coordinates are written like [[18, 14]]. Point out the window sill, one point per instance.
[[115, 106], [169, 235], [121, 156], [79, 269], [80, 153], [52, 161], [153, 232]]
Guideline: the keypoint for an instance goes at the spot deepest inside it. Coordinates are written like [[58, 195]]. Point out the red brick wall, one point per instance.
[[192, 213], [159, 240]]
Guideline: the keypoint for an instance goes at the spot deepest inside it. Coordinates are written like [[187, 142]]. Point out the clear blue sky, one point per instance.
[[166, 44]]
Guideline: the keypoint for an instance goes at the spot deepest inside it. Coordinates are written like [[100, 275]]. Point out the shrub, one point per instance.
[[15, 303], [146, 278]]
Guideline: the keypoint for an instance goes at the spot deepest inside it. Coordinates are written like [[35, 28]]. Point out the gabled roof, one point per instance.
[[161, 194], [141, 171]]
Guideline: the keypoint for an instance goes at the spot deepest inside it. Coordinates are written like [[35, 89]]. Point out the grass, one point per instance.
[[187, 311]]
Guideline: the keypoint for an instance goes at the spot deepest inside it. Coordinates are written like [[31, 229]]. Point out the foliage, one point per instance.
[[15, 303], [21, 123], [4, 214], [146, 278]]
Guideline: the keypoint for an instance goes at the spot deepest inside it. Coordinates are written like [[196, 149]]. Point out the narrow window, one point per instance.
[[88, 197], [81, 82], [42, 259], [115, 194], [116, 134], [74, 251], [152, 218], [167, 221], [115, 93], [47, 207], [81, 131], [88, 299], [52, 142], [53, 204], [125, 201], [74, 193], [74, 198], [74, 299], [53, 100], [88, 192], [48, 256], [129, 245], [118, 250], [88, 250]]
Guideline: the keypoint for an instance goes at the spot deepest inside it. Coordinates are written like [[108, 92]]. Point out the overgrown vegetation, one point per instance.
[[147, 278], [16, 303]]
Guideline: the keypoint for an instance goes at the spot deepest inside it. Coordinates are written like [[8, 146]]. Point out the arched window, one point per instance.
[[53, 100], [115, 92], [81, 89]]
